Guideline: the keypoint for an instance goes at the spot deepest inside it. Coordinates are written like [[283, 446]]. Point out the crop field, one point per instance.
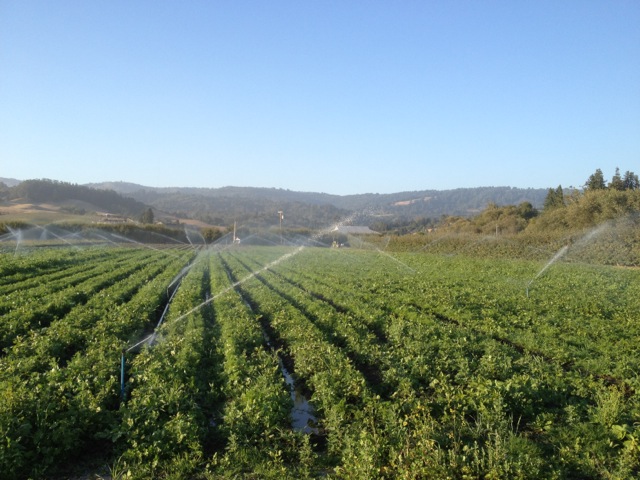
[[305, 362]]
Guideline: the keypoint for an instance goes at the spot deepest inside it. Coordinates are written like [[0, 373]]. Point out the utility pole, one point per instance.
[[281, 215]]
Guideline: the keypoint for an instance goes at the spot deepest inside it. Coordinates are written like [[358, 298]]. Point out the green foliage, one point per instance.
[[147, 216], [590, 209], [616, 182], [212, 234], [517, 231], [419, 365], [562, 216], [554, 199], [630, 181], [146, 233], [595, 181], [64, 373]]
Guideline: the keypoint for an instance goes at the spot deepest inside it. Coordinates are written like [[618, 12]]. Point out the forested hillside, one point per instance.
[[46, 191], [467, 210], [309, 209], [251, 209]]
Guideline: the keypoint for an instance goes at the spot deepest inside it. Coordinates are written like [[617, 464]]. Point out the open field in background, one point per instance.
[[421, 363], [40, 214], [75, 214]]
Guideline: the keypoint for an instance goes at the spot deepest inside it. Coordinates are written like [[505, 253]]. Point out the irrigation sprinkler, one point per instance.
[[281, 215], [149, 339], [528, 284]]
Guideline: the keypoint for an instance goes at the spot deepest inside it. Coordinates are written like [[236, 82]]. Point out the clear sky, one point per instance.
[[327, 96]]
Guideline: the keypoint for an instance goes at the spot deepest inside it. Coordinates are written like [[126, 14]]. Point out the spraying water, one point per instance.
[[186, 234], [559, 254], [188, 231], [106, 239], [590, 235], [386, 254], [251, 275], [144, 245], [18, 236], [46, 232], [412, 270], [175, 240], [219, 294], [303, 417], [204, 241], [179, 276]]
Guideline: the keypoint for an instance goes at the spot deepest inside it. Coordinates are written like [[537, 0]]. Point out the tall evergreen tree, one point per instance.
[[616, 182], [596, 181], [147, 216], [554, 198], [630, 181]]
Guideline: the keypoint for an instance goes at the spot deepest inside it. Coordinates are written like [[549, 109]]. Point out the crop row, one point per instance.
[[339, 389], [418, 366], [574, 314], [33, 290], [39, 306], [254, 420], [59, 385], [210, 386], [18, 267], [455, 359], [172, 384]]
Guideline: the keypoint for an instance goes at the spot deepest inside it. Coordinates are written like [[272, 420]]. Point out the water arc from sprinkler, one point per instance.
[[251, 275], [151, 338], [590, 235], [559, 254]]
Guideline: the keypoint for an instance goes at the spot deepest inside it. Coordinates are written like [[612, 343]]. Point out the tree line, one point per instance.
[[628, 181], [595, 182], [563, 210]]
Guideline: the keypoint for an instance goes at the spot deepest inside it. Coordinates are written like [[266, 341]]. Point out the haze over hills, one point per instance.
[[10, 182], [463, 201], [221, 206]]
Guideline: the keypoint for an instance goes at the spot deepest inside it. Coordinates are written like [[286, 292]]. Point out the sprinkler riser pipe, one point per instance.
[[122, 391]]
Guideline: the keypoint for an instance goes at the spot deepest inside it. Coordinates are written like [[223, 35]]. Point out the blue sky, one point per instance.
[[329, 96]]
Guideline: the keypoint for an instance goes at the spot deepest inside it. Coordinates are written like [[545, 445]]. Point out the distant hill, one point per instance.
[[9, 182], [246, 206], [260, 205], [52, 191]]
